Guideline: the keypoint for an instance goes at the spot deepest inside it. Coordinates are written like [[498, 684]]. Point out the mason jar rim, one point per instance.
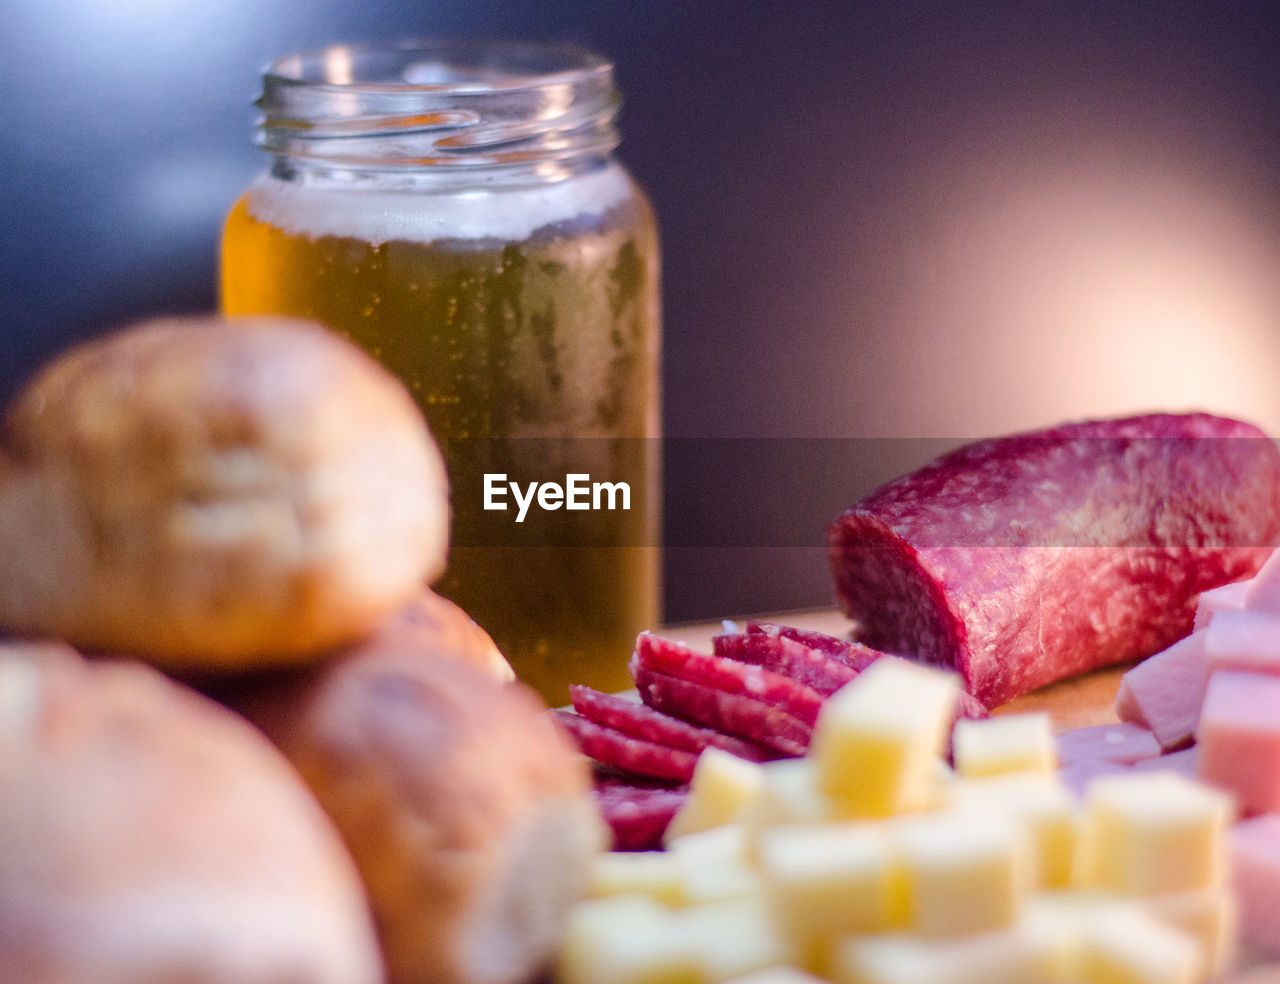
[[474, 56]]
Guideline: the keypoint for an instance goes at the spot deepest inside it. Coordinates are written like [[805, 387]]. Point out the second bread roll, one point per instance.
[[466, 811]]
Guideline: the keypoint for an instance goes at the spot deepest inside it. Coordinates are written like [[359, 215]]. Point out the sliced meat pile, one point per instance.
[[756, 695], [1022, 560]]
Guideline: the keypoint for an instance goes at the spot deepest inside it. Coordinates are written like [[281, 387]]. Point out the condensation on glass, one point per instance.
[[456, 210]]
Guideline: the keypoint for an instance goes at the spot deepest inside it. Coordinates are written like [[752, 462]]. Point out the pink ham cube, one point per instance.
[[1239, 738], [1124, 743], [1255, 863], [1163, 693], [1263, 594], [1243, 640], [1229, 597], [1183, 763]]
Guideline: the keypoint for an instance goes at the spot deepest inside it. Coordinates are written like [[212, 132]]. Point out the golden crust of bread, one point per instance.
[[434, 625], [150, 836], [216, 494], [466, 811]]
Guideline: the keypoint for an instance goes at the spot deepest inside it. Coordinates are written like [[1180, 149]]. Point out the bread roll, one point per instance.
[[467, 813], [433, 625], [149, 836], [216, 495]]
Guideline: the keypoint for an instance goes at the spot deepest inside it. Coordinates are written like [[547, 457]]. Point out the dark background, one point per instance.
[[918, 221]]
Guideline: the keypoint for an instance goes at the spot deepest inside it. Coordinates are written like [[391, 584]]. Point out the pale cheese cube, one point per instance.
[[788, 795], [1126, 945], [1011, 743], [1046, 810], [654, 873], [878, 737], [964, 871], [722, 784], [831, 879], [1023, 954], [1147, 833], [733, 937], [714, 865], [628, 939]]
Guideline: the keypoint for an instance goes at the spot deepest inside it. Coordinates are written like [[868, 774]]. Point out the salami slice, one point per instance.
[[853, 654], [730, 677], [612, 747], [643, 722], [732, 713], [793, 659], [638, 815], [1021, 560]]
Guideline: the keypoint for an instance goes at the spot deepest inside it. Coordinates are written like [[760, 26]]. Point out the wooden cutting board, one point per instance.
[[1076, 703]]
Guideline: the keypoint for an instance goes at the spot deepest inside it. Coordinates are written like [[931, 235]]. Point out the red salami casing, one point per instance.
[[1025, 559]]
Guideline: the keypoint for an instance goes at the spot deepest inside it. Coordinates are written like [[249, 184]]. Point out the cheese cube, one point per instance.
[[1023, 954], [965, 871], [1044, 808], [831, 879], [1125, 945], [1151, 832], [713, 865], [1012, 743], [777, 975], [653, 873], [629, 939], [878, 737], [1239, 738], [733, 937], [722, 783], [1209, 917]]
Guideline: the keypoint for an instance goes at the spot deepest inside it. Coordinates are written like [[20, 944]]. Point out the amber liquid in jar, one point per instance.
[[523, 315]]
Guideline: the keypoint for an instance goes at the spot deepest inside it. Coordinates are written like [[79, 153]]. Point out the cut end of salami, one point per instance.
[[1021, 560]]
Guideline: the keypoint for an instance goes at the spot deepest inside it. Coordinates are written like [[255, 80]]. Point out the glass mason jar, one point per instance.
[[456, 210]]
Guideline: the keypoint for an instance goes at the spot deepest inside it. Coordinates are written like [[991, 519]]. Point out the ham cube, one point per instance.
[[1124, 743], [1263, 594], [1229, 597], [1239, 738], [1184, 763], [1164, 693], [1255, 862], [1243, 640]]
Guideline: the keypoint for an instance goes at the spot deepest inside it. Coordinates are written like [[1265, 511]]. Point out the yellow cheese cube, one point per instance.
[[1023, 954], [733, 937], [721, 785], [1012, 743], [713, 865], [831, 879], [653, 873], [628, 939], [1125, 945], [1153, 832], [965, 871], [1044, 807], [878, 738], [1209, 917], [777, 975], [788, 795]]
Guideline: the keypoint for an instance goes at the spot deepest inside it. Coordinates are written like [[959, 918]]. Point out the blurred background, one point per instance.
[[910, 222]]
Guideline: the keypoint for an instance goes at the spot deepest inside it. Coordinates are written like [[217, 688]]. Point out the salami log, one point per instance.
[[1025, 559]]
